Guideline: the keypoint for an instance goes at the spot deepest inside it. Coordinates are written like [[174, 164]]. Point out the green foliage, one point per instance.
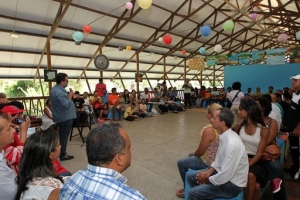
[[23, 88]]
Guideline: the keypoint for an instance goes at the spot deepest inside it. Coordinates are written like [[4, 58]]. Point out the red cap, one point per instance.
[[11, 109]]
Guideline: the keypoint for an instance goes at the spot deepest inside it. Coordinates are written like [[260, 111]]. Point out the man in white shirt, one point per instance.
[[228, 174], [7, 176], [187, 93]]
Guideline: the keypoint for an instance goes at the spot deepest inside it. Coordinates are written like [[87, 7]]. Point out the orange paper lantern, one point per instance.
[[128, 48]]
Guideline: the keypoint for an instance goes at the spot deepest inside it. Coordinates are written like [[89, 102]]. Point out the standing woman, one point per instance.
[[47, 117], [254, 134], [235, 97], [37, 178]]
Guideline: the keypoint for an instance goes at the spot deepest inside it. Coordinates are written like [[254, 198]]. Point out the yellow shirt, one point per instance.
[[128, 112]]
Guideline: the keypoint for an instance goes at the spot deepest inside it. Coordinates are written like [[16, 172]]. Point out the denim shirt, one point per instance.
[[63, 109]]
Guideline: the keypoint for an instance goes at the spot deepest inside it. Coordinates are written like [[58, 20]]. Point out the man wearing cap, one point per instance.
[[14, 150], [291, 124], [63, 111], [100, 87]]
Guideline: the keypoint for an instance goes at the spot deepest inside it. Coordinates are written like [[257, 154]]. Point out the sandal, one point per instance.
[[180, 193]]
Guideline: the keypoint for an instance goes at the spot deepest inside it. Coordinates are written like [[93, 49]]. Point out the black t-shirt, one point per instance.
[[292, 117], [78, 103]]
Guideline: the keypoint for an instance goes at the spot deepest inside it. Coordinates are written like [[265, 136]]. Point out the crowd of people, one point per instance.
[[227, 160]]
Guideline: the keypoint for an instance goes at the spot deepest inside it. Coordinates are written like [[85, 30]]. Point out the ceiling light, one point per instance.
[[121, 48], [14, 35], [77, 42]]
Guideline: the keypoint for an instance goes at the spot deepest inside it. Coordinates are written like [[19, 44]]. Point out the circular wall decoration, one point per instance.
[[101, 62]]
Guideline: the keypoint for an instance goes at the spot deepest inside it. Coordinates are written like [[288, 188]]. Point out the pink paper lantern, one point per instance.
[[254, 16], [282, 37], [183, 52], [129, 5]]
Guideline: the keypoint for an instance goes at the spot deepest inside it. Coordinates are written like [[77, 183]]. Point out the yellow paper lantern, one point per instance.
[[145, 4], [128, 48]]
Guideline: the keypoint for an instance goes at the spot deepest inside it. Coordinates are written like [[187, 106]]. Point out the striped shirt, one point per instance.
[[98, 183]]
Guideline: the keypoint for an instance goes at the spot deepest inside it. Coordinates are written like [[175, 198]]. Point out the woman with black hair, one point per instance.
[[254, 134], [235, 97], [47, 117], [275, 173], [37, 178]]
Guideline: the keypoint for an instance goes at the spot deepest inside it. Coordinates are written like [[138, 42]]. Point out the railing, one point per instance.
[[34, 106]]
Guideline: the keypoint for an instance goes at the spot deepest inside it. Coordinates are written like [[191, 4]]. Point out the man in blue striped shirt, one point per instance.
[[109, 154]]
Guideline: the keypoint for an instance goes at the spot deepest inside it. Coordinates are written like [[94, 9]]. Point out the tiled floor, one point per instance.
[[157, 144]]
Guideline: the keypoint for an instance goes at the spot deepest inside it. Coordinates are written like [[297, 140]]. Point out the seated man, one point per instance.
[[7, 175], [214, 95], [156, 95], [228, 174], [79, 107], [113, 102], [109, 154], [164, 105], [3, 98]]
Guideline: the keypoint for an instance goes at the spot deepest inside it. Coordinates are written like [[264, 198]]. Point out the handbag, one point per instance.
[[229, 104], [272, 152]]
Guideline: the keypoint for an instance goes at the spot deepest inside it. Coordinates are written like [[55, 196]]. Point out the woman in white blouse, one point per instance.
[[47, 117], [235, 97], [37, 178]]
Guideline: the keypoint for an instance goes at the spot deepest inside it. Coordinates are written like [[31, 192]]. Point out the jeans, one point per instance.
[[275, 171], [187, 99], [64, 131], [191, 162], [210, 191]]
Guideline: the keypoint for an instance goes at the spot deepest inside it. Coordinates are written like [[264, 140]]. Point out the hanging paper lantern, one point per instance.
[[160, 39], [183, 51], [128, 48], [202, 50], [167, 39], [228, 25], [282, 37], [218, 48], [129, 5], [77, 36], [87, 29], [205, 30], [298, 35], [254, 16], [145, 4]]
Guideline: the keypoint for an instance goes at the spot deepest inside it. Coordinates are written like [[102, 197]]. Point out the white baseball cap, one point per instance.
[[295, 77]]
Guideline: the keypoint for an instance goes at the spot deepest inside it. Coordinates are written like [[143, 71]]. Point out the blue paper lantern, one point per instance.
[[298, 35], [205, 30], [202, 50], [77, 36]]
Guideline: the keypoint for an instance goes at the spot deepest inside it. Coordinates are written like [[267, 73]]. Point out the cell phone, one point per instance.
[[19, 121], [70, 89]]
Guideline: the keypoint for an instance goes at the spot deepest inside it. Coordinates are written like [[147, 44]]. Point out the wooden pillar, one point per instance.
[[184, 75], [214, 77], [101, 72], [49, 66], [138, 72], [164, 68]]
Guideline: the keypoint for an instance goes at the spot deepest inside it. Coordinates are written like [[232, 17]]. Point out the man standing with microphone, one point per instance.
[[63, 111]]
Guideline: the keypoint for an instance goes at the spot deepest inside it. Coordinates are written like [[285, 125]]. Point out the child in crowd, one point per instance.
[[143, 109], [103, 116], [129, 114]]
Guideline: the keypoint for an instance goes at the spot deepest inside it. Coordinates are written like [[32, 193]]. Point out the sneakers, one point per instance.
[[276, 184], [66, 157]]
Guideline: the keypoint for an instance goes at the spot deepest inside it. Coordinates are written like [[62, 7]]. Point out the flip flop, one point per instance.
[[180, 193]]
